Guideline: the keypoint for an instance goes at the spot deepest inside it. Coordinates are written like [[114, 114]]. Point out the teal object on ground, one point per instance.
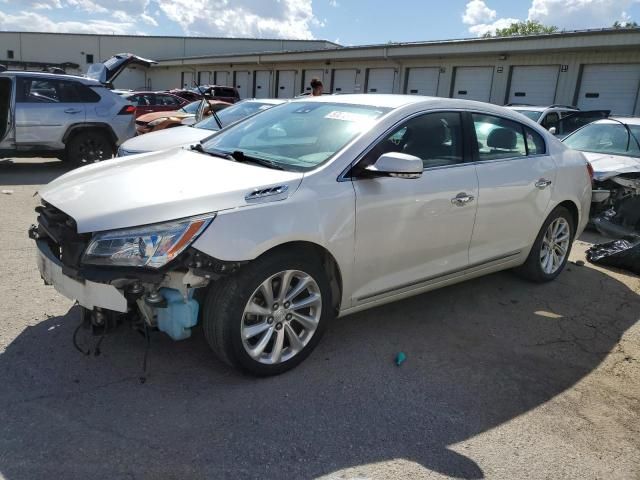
[[400, 358]]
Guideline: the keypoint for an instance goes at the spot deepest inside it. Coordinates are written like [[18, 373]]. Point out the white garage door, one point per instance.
[[243, 80], [204, 78], [610, 87], [223, 79], [263, 84], [381, 80], [133, 78], [534, 85], [344, 81], [310, 75], [286, 84], [187, 79], [473, 83], [423, 81]]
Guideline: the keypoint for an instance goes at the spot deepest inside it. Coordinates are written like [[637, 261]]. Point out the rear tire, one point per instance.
[[89, 146], [551, 249], [245, 321]]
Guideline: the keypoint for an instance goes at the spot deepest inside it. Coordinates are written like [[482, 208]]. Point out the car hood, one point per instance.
[[149, 117], [606, 165], [107, 71], [165, 139], [159, 187]]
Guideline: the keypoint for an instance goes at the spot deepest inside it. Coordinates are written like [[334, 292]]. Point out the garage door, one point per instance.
[[534, 85], [381, 80], [204, 78], [423, 81], [187, 79], [133, 78], [344, 81], [610, 87], [263, 84], [243, 81], [222, 78], [473, 83], [309, 75], [286, 84]]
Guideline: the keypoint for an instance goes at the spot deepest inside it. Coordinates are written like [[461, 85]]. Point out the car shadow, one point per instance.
[[25, 172], [478, 355]]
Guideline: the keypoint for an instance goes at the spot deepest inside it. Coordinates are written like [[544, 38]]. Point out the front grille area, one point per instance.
[[60, 231]]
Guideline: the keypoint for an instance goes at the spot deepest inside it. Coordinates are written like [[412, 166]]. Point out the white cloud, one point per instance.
[[578, 14], [39, 23], [564, 14], [333, 3], [483, 28], [243, 18], [477, 12]]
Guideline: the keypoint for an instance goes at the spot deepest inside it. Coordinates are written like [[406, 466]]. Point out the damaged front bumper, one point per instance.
[[160, 299]]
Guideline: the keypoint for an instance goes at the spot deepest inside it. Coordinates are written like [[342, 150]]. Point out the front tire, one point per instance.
[[269, 316], [551, 249], [89, 146]]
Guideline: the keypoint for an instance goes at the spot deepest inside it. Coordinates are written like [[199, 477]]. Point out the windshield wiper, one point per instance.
[[239, 156], [215, 153]]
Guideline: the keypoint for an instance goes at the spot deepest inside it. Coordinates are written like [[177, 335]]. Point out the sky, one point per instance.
[[348, 22]]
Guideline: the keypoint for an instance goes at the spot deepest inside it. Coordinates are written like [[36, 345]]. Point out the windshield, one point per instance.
[[297, 135], [191, 107], [605, 138], [532, 114], [232, 114]]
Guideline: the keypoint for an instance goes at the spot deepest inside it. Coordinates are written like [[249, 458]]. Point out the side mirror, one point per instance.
[[395, 164], [552, 130]]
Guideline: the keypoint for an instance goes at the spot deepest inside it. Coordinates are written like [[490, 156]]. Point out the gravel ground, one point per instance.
[[504, 379]]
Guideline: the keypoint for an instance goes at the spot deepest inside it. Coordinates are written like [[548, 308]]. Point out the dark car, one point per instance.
[[217, 92], [147, 102], [186, 94]]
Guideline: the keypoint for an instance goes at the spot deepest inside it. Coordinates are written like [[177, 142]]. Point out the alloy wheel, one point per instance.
[[555, 245], [281, 317]]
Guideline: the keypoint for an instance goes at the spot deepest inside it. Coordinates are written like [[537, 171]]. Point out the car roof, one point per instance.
[[270, 101], [396, 101], [53, 76], [627, 120], [539, 108]]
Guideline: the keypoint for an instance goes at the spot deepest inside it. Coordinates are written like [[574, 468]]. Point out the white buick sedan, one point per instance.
[[313, 209]]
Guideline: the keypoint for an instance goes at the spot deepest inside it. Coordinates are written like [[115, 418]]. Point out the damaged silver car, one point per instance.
[[612, 146]]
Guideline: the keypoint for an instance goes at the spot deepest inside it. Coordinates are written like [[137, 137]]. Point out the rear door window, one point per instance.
[[44, 90], [498, 138]]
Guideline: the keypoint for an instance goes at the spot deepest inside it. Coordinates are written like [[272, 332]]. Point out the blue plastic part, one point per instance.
[[177, 319]]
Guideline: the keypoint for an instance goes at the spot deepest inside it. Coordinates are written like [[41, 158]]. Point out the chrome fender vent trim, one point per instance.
[[263, 193]]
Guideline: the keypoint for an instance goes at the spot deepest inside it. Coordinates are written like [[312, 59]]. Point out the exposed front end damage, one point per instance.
[[160, 298], [615, 206]]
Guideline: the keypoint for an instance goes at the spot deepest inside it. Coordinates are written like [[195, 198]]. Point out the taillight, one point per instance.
[[127, 110], [590, 171]]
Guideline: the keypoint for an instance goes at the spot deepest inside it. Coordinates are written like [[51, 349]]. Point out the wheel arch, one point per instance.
[[79, 127], [329, 264], [573, 209]]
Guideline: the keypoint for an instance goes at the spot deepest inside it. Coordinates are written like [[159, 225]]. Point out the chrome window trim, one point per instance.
[[342, 177]]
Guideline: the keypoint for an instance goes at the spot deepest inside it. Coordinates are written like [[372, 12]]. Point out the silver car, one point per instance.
[[77, 119]]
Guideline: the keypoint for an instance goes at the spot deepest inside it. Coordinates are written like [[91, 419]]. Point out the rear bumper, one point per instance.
[[88, 294]]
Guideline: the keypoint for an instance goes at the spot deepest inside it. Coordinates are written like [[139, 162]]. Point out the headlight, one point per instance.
[[151, 246]]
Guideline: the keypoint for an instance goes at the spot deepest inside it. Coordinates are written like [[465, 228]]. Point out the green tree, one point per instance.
[[530, 27], [629, 24]]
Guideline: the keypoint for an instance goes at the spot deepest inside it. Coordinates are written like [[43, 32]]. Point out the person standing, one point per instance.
[[316, 87]]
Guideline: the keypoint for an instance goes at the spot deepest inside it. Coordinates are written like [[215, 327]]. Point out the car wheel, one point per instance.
[[550, 251], [269, 316], [89, 146]]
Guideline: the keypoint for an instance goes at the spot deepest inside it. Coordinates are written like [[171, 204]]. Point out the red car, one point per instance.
[[147, 102]]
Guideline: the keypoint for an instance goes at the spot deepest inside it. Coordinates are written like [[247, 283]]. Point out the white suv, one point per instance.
[[74, 118], [313, 209]]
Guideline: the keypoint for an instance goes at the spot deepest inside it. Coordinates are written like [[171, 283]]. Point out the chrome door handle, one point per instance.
[[462, 199], [542, 183], [72, 110]]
